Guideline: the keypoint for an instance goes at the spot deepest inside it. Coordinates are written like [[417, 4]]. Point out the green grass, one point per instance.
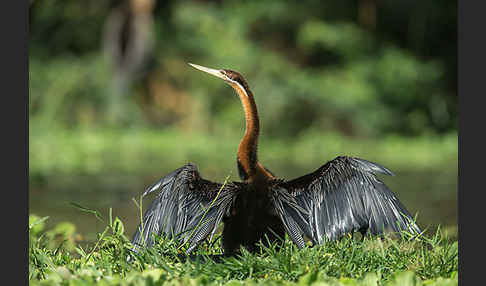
[[55, 258]]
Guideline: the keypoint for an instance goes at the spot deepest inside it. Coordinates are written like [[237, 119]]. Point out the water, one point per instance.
[[431, 194]]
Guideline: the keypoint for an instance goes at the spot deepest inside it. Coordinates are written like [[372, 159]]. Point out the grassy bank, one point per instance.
[[147, 151], [56, 259]]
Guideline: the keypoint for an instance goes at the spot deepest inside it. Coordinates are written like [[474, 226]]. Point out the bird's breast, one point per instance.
[[252, 217]]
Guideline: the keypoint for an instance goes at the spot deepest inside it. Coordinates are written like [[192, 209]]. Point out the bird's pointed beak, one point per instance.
[[216, 73]]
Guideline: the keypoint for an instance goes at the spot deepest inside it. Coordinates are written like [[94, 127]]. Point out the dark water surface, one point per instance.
[[431, 194]]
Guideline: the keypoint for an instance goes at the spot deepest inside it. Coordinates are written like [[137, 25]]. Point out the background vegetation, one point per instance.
[[113, 104]]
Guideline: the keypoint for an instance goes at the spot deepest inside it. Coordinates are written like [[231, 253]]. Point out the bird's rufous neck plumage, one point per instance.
[[247, 150]]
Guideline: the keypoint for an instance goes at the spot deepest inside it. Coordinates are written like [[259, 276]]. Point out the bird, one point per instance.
[[341, 197]]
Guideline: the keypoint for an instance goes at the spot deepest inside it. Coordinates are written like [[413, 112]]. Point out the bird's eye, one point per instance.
[[228, 74]]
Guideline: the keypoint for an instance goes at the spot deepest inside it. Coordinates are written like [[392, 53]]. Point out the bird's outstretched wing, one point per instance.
[[340, 197], [187, 207]]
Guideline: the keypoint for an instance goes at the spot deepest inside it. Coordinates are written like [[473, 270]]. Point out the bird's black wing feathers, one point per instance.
[[186, 206], [342, 196]]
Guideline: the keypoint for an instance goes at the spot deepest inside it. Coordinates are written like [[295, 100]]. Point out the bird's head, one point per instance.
[[231, 77]]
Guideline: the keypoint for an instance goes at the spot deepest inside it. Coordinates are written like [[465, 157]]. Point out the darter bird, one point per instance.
[[342, 196]]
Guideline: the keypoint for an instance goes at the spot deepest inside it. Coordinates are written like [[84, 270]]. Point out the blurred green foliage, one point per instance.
[[311, 66], [147, 152], [366, 78]]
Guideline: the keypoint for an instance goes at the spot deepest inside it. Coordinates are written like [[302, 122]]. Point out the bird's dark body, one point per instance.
[[342, 196], [252, 218]]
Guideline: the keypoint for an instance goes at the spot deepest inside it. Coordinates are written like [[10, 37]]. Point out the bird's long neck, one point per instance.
[[247, 150], [249, 167]]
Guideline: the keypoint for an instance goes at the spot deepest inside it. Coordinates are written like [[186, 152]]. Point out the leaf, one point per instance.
[[36, 224], [118, 227], [85, 209]]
